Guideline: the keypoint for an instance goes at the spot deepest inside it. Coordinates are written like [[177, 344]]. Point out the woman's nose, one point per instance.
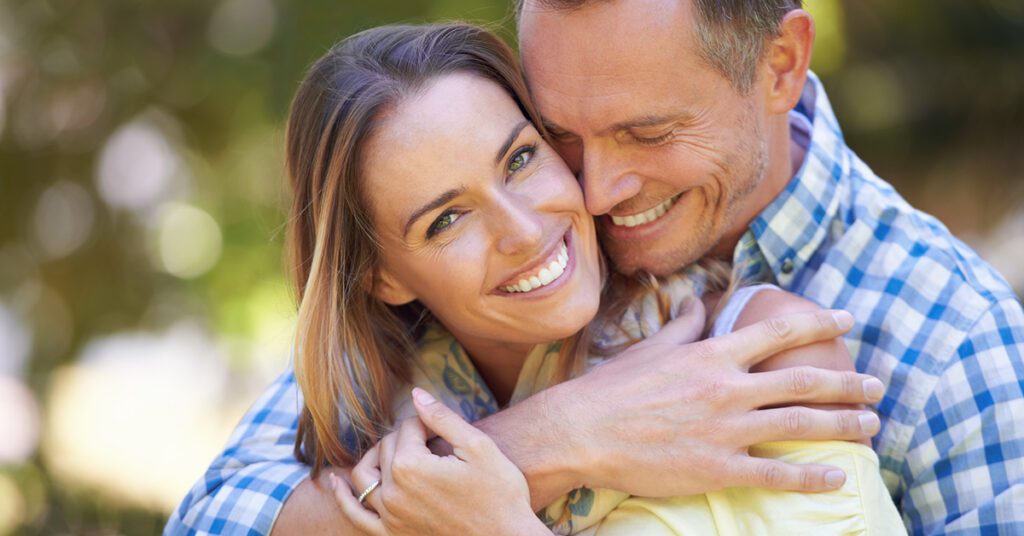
[[520, 228]]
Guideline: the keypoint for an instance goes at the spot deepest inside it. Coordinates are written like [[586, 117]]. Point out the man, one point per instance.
[[708, 106]]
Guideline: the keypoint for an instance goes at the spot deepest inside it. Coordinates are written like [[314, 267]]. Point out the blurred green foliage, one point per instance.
[[930, 93]]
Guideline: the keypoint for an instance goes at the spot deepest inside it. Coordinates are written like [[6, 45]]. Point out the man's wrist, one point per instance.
[[539, 435]]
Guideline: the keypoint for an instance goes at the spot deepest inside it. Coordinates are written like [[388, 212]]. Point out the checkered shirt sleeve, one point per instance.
[[939, 326], [965, 462], [244, 488]]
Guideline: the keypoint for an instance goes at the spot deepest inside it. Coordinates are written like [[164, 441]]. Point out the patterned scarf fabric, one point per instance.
[[444, 369]]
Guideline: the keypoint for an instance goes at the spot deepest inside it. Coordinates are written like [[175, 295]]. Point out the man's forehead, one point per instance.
[[595, 68]]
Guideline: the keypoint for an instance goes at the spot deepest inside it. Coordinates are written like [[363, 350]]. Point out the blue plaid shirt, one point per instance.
[[936, 323]]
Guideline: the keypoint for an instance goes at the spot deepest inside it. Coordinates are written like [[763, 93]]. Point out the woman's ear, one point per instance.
[[388, 289]]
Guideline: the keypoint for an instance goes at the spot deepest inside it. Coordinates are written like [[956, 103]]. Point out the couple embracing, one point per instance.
[[695, 373]]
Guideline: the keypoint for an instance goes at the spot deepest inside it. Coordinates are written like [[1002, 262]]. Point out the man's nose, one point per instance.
[[606, 181], [519, 229]]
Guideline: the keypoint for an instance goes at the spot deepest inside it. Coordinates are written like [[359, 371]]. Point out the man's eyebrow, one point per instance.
[[553, 128], [438, 201], [511, 138], [646, 121]]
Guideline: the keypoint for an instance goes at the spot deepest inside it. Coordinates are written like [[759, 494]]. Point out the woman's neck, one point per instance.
[[498, 363]]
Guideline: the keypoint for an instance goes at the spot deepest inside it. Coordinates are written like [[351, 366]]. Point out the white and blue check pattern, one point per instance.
[[934, 322], [939, 326]]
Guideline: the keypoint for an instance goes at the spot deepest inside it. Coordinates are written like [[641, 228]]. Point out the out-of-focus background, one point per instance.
[[142, 299]]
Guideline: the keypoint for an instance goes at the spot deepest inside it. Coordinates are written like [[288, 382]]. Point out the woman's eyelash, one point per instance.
[[445, 220], [520, 153]]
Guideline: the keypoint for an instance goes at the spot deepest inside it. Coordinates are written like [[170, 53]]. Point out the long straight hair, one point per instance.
[[352, 351]]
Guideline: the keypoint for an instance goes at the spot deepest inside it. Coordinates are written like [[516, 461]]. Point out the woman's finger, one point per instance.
[[411, 438], [363, 519], [364, 474], [462, 436], [386, 451]]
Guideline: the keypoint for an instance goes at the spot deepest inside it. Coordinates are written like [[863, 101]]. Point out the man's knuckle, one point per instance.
[[706, 349], [850, 384], [770, 475], [801, 380], [795, 422], [779, 328], [845, 425], [808, 479]]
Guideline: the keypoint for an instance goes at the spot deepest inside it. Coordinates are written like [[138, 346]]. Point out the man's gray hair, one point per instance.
[[732, 33]]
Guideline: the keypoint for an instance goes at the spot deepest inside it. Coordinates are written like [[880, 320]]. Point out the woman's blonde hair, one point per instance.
[[352, 351]]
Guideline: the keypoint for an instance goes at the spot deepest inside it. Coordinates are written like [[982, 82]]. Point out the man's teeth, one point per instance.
[[646, 216], [546, 275]]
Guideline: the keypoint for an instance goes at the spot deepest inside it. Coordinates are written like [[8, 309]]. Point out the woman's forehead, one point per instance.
[[445, 136]]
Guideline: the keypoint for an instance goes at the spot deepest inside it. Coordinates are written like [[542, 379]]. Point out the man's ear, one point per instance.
[[388, 289], [788, 57]]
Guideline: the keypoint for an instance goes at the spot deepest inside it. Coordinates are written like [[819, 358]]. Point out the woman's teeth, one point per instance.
[[646, 216], [545, 276]]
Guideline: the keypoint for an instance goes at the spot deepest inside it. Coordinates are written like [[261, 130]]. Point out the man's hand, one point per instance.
[[668, 418]]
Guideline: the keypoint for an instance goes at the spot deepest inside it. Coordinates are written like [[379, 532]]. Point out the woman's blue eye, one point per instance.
[[442, 223], [520, 159]]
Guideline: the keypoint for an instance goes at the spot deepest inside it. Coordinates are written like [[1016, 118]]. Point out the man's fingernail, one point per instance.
[[843, 319], [422, 396], [869, 423], [834, 479], [873, 389]]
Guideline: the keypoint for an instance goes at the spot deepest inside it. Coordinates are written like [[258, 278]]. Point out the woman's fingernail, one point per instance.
[[873, 389], [834, 479], [422, 396], [843, 319], [332, 481]]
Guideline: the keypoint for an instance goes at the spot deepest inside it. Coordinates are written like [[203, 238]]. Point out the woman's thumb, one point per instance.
[[444, 422]]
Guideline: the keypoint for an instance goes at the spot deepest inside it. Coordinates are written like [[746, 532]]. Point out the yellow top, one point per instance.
[[861, 506]]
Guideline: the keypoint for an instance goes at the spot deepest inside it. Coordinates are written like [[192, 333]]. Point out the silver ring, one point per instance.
[[367, 491]]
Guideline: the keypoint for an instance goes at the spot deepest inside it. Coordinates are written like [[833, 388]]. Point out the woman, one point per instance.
[[432, 220]]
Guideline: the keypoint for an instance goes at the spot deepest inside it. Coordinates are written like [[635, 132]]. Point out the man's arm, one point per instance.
[[966, 459], [665, 419], [662, 419], [246, 484]]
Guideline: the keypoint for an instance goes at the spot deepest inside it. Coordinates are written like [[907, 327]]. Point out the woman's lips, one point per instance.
[[547, 274]]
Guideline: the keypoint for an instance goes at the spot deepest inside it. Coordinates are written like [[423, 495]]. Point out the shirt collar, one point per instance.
[[785, 235]]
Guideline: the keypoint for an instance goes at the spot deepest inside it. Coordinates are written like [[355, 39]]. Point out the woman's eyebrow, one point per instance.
[[511, 138], [438, 201]]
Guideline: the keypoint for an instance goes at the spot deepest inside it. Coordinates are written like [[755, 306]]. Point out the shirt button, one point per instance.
[[787, 266]]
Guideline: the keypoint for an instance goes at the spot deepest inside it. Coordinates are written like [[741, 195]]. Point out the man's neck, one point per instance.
[[784, 162]]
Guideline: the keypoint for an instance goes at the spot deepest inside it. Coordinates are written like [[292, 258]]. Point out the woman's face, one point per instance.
[[478, 218]]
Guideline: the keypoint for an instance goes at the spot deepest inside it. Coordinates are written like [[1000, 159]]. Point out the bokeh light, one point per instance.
[[63, 219], [188, 240], [241, 27], [137, 166]]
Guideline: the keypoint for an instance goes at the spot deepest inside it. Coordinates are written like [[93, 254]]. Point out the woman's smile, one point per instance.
[[544, 276]]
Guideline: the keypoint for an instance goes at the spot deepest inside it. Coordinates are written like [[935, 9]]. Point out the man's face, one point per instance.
[[669, 154]]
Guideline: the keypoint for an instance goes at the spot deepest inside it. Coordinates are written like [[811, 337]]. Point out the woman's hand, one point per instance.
[[477, 490]]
